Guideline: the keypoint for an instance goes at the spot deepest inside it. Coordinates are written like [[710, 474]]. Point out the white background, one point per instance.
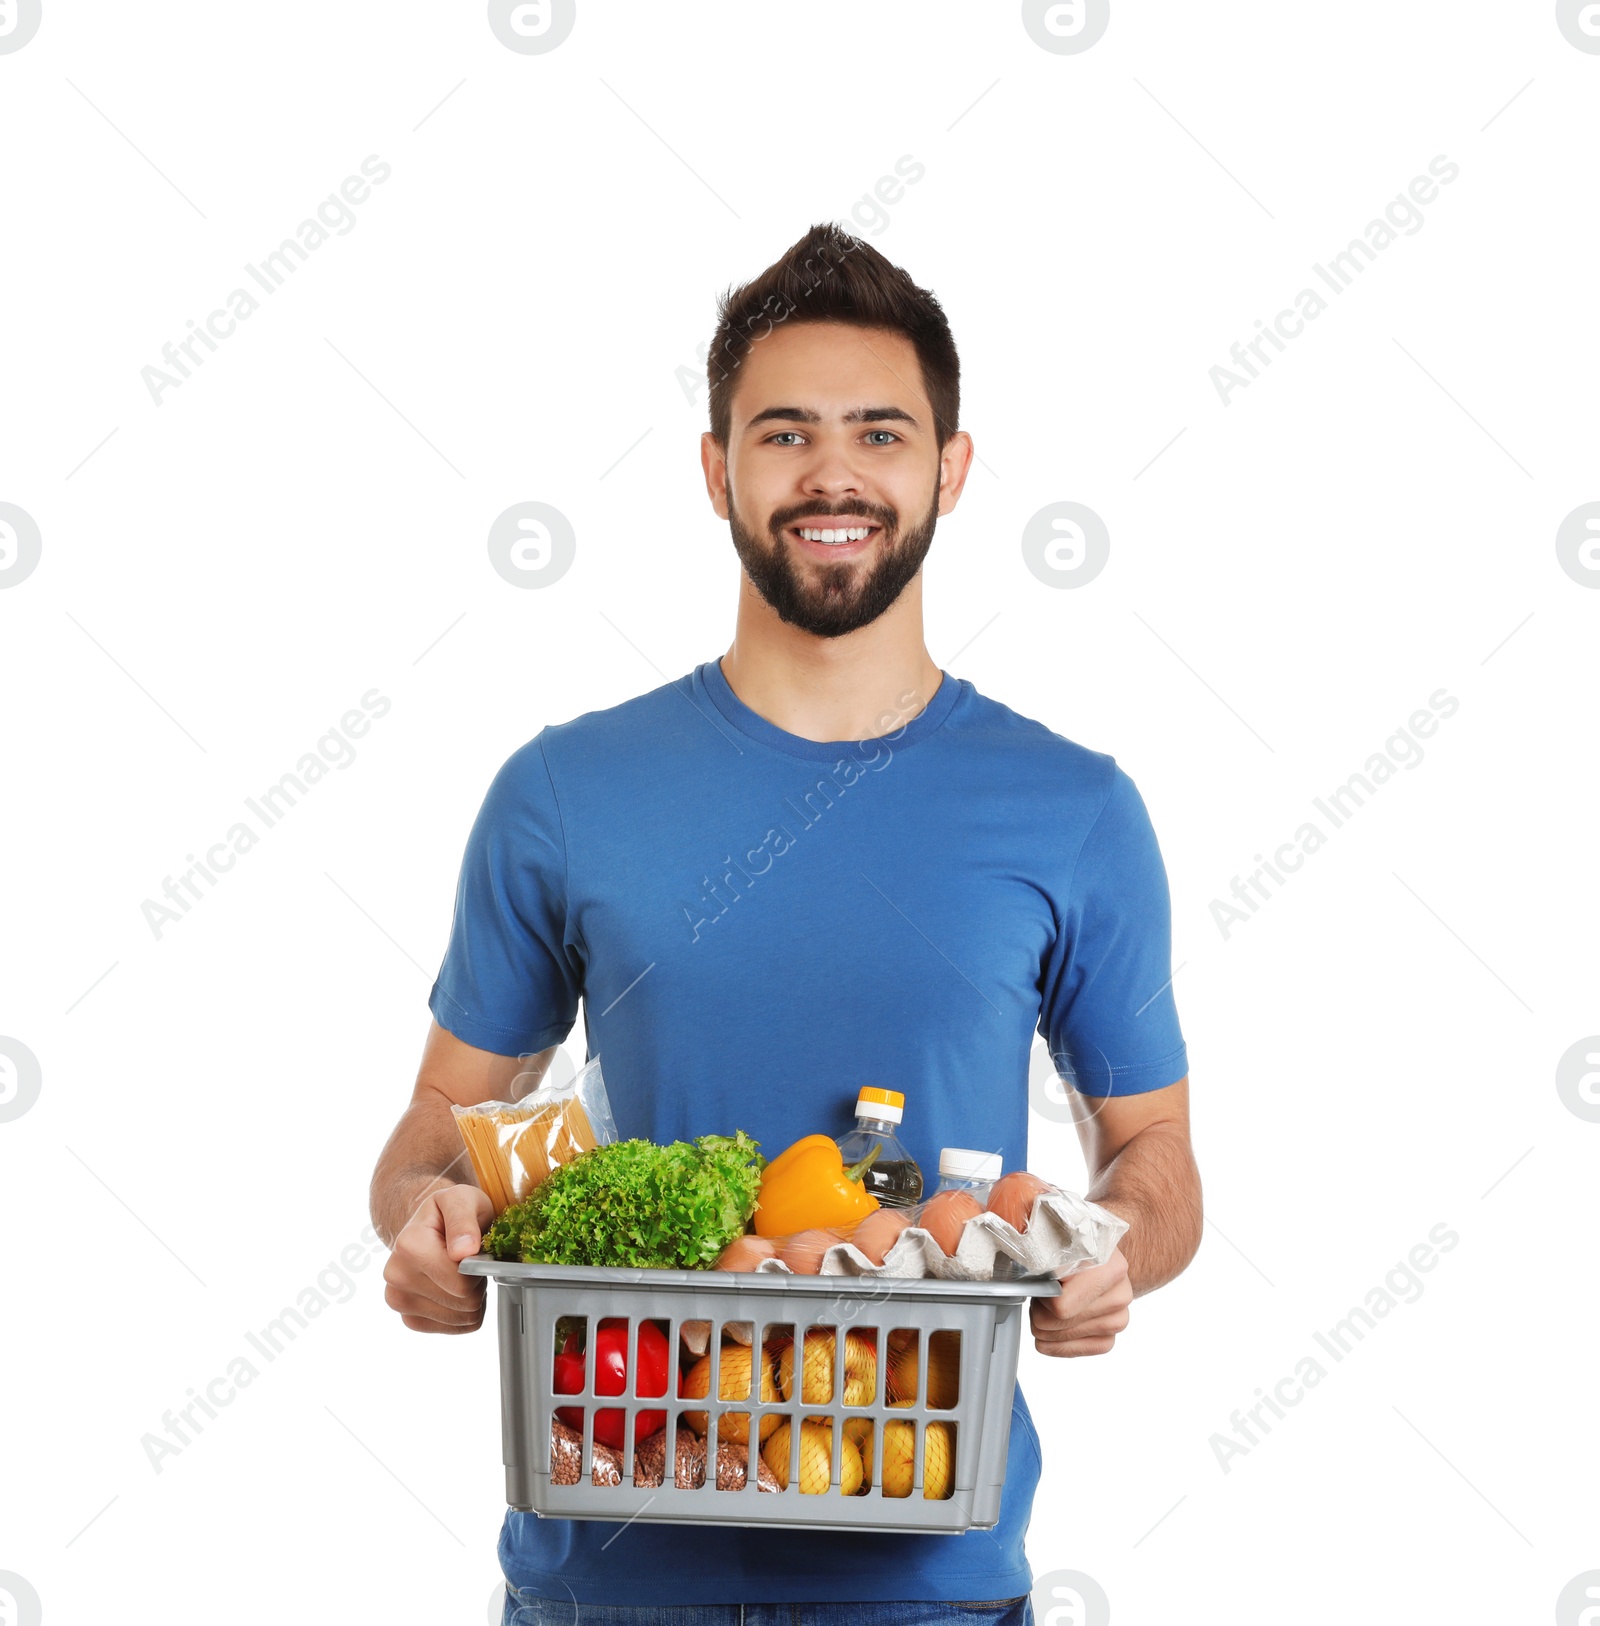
[[1373, 1053]]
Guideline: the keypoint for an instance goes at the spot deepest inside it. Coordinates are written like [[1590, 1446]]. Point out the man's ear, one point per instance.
[[955, 463], [714, 461]]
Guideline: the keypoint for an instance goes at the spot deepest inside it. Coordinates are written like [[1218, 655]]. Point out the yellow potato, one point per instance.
[[858, 1430], [816, 1378], [899, 1460], [732, 1384], [944, 1370], [816, 1453]]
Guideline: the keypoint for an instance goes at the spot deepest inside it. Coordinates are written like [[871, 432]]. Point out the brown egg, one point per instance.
[[803, 1251], [945, 1214], [1012, 1197], [746, 1252], [879, 1232]]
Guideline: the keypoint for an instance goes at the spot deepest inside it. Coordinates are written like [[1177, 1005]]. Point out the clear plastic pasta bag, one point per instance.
[[513, 1145]]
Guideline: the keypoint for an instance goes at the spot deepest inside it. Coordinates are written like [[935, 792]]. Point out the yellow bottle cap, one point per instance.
[[871, 1102]]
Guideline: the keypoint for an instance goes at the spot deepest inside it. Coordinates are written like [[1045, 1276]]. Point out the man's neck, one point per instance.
[[866, 684]]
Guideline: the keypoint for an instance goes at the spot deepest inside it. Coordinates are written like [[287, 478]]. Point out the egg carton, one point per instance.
[[1066, 1233]]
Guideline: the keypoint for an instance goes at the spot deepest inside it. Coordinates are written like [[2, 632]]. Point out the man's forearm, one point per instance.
[[1154, 1185], [422, 1154]]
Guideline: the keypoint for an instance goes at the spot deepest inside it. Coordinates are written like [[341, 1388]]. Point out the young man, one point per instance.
[[817, 863]]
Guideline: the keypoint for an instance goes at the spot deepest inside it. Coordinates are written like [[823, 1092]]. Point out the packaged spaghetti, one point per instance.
[[513, 1145]]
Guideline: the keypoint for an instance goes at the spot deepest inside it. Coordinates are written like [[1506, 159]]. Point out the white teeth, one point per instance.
[[854, 534]]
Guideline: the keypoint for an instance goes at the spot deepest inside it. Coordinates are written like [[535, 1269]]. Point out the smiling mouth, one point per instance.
[[817, 534]]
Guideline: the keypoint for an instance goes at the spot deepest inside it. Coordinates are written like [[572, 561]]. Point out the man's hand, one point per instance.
[[424, 1284], [1089, 1312]]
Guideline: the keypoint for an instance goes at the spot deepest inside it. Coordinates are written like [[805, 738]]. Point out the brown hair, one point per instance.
[[832, 276]]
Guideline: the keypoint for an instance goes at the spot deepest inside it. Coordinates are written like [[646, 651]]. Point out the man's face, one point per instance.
[[831, 431]]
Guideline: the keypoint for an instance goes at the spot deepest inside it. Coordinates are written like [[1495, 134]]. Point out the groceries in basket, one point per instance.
[[859, 1467], [611, 1375], [808, 1187], [890, 1172], [917, 1370], [979, 1225], [635, 1204], [650, 1460], [692, 1445], [514, 1145], [818, 1182], [717, 1202]]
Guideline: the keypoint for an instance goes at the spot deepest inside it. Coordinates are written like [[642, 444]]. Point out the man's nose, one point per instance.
[[831, 472]]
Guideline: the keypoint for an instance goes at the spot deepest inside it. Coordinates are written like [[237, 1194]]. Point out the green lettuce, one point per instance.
[[636, 1204]]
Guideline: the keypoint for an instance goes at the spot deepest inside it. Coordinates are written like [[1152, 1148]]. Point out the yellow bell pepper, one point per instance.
[[809, 1187]]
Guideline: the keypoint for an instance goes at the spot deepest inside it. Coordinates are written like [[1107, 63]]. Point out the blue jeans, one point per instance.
[[527, 1610]]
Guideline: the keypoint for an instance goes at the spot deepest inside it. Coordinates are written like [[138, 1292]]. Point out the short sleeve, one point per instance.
[[1107, 1010], [510, 982]]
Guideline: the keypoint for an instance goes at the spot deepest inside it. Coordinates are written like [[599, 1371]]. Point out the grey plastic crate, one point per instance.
[[988, 1315]]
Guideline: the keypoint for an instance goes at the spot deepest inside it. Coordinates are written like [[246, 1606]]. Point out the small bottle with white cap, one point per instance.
[[892, 1176], [963, 1170]]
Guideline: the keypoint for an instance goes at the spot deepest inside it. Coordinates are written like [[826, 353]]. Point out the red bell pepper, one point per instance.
[[610, 1378], [569, 1381]]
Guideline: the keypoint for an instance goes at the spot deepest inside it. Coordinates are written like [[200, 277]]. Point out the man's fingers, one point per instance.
[[421, 1250], [1085, 1318], [1097, 1321], [420, 1306], [422, 1281], [1074, 1305], [454, 1296], [1092, 1327], [446, 1228], [464, 1213], [1078, 1346], [1091, 1291], [447, 1283], [419, 1323], [1045, 1315], [463, 1293], [413, 1304], [1088, 1313]]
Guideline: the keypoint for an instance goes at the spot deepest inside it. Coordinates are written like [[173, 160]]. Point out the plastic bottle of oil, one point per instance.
[[892, 1176]]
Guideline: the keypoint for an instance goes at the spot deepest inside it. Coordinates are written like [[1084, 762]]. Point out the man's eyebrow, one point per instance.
[[792, 414]]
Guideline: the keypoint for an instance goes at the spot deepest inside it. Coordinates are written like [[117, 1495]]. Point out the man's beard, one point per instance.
[[828, 600]]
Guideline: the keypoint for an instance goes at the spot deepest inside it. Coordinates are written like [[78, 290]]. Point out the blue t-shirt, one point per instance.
[[756, 925]]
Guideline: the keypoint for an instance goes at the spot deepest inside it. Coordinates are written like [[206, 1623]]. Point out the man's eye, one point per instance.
[[889, 432], [782, 432]]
